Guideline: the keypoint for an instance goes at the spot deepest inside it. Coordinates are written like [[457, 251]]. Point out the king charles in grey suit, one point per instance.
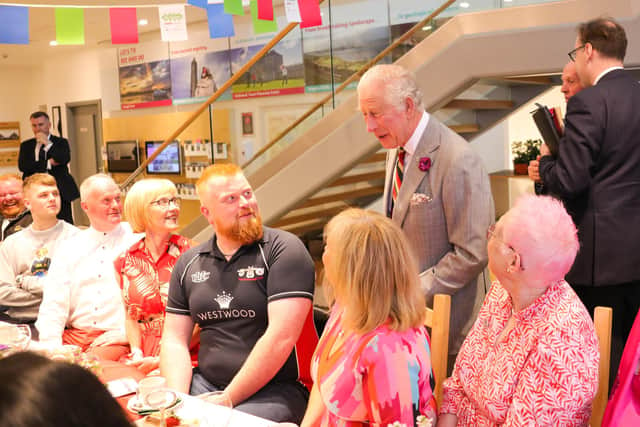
[[444, 203]]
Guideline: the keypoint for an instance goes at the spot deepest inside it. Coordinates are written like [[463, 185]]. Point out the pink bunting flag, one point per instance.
[[309, 13], [124, 25], [265, 10]]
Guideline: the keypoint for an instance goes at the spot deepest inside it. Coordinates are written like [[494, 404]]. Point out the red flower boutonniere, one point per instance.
[[425, 164]]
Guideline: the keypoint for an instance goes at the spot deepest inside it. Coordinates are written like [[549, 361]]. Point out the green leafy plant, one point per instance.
[[525, 151]]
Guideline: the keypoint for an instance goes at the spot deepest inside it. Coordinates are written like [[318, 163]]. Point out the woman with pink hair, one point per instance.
[[532, 356]]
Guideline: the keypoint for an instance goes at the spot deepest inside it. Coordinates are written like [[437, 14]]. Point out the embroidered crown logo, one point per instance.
[[200, 276], [223, 300]]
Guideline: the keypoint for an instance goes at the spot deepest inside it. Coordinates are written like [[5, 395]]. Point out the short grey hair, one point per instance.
[[87, 184], [399, 84]]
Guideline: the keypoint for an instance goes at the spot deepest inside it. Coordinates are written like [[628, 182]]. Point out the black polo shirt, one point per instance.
[[228, 299]]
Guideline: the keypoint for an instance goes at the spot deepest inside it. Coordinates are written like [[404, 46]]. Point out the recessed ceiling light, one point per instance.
[[53, 43], [464, 5], [507, 1], [426, 28], [143, 22]]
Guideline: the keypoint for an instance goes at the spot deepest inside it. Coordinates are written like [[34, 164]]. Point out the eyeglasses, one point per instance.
[[165, 202], [572, 54], [491, 234]]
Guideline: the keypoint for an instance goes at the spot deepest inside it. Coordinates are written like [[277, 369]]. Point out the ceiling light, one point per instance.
[[53, 43], [464, 5], [507, 1], [143, 22], [426, 27]]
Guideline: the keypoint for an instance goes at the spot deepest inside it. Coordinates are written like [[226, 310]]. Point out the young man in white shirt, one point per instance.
[[26, 255]]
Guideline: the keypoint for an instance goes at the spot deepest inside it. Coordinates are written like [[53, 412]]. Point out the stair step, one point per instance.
[[378, 157], [480, 104], [320, 214], [347, 195], [301, 229], [352, 179], [469, 128]]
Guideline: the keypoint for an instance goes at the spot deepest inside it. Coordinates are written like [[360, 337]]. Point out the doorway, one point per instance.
[[85, 139]]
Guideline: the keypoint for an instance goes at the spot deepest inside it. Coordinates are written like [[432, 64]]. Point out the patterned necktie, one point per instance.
[[397, 176]]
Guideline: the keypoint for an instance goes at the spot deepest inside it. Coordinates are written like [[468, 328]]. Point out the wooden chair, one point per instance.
[[602, 320], [437, 320]]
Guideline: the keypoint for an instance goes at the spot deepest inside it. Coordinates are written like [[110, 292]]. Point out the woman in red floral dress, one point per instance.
[[144, 270], [531, 358]]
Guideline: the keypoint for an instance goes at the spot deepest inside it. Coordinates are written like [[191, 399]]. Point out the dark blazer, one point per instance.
[[59, 152], [597, 175]]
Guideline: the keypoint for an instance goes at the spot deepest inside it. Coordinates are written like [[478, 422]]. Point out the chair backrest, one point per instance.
[[438, 321], [602, 319]]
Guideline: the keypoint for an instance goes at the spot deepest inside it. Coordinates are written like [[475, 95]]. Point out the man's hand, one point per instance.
[[110, 338], [534, 169], [41, 139], [544, 150]]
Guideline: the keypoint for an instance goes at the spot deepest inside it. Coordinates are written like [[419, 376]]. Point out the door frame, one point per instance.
[[69, 106]]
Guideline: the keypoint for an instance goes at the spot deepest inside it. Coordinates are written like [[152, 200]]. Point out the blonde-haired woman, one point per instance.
[[151, 206], [372, 365]]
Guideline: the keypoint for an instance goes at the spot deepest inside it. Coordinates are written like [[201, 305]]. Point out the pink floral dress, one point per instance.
[[541, 372], [374, 379]]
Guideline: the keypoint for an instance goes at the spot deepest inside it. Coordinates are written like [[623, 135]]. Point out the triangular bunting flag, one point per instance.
[[14, 25], [265, 10], [260, 26], [220, 23], [124, 25], [233, 7], [202, 4], [69, 25], [310, 13]]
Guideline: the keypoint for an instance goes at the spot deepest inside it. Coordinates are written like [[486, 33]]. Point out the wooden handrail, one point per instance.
[[353, 77], [266, 48]]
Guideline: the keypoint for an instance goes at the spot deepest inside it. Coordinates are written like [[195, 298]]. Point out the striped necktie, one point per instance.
[[398, 175]]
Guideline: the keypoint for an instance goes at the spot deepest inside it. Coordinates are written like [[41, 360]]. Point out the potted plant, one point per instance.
[[523, 152]]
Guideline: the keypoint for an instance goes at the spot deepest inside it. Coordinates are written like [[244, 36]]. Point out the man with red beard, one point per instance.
[[250, 289], [13, 213]]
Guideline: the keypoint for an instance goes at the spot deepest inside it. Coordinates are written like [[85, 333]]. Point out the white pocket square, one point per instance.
[[417, 198]]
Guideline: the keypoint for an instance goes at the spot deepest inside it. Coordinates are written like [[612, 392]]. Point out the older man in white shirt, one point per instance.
[[82, 303]]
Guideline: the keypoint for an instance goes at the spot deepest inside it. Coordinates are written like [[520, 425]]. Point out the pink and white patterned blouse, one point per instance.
[[541, 372], [375, 379]]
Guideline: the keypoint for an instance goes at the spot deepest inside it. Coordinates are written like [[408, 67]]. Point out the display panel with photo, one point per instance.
[[168, 162]]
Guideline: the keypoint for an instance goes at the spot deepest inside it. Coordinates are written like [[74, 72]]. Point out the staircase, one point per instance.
[[462, 68]]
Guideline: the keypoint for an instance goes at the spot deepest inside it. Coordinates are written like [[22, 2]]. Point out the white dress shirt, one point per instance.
[[412, 144], [81, 290]]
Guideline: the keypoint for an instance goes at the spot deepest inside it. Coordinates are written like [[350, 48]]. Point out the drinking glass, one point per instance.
[[20, 337], [160, 400], [221, 413]]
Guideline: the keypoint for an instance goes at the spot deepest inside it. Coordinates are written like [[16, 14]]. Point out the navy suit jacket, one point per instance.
[[597, 175], [59, 152]]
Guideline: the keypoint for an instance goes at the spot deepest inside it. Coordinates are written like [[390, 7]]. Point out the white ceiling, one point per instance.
[[96, 20]]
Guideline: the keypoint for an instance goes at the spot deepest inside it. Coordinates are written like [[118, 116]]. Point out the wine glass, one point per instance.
[[223, 408], [160, 400], [21, 337]]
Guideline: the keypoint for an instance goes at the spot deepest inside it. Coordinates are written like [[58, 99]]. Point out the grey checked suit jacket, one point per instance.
[[445, 213]]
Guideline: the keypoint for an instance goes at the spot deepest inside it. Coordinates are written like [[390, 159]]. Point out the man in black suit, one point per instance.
[[597, 175], [49, 154]]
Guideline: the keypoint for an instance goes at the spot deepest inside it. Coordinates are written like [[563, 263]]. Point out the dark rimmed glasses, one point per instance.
[[572, 54]]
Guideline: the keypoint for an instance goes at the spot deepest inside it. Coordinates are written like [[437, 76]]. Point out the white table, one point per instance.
[[210, 415]]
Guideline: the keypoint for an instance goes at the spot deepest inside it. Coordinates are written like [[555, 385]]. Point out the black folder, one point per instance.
[[548, 128]]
